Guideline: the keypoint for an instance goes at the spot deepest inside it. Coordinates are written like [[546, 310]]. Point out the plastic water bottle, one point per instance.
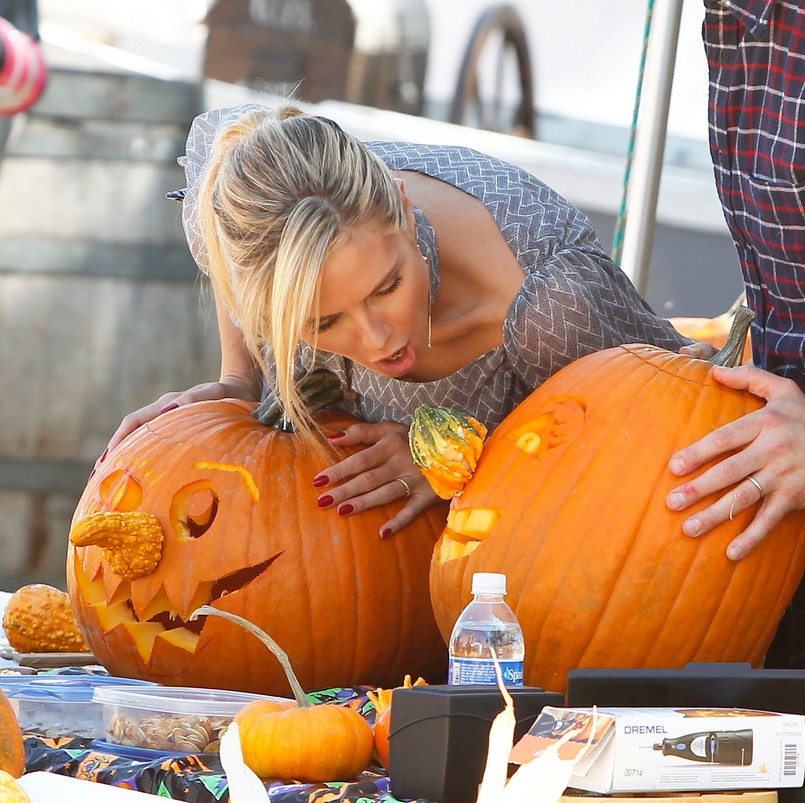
[[486, 624]]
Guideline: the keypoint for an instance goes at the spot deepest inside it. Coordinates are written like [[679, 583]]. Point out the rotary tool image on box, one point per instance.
[[712, 747]]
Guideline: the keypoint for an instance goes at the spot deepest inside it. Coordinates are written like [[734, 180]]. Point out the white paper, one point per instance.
[[244, 785], [47, 787]]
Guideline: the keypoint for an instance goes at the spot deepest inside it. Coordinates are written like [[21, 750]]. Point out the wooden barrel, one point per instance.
[[101, 310]]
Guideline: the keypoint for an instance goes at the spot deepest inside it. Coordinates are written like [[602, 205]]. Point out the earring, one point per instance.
[[430, 317]]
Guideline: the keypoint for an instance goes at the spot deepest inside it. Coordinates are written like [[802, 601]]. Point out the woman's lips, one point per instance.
[[399, 363]]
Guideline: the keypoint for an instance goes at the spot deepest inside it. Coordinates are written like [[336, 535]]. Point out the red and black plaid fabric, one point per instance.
[[756, 56]]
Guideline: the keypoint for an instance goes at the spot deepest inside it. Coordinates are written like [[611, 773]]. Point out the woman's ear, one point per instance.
[[408, 207]]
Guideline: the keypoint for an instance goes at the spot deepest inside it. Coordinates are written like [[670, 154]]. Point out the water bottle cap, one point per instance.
[[488, 583]]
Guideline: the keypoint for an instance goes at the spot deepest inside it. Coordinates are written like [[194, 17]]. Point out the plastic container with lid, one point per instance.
[[61, 705], [175, 718], [139, 754]]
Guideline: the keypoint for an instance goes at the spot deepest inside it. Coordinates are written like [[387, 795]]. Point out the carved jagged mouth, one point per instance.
[[229, 584], [159, 625]]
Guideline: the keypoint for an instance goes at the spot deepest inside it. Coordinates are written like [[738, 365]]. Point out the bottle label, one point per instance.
[[481, 671]]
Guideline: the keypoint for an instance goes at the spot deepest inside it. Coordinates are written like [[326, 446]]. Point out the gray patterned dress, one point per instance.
[[573, 300]]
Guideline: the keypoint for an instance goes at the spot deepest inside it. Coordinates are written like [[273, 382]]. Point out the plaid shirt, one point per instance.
[[756, 57]]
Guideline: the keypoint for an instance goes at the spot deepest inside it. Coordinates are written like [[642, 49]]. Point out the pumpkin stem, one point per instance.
[[737, 304], [320, 388], [279, 653], [732, 352]]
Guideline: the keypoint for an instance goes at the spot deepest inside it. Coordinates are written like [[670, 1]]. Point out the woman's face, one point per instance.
[[374, 300]]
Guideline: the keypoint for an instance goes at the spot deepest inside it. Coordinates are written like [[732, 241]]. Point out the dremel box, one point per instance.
[[671, 749], [697, 685]]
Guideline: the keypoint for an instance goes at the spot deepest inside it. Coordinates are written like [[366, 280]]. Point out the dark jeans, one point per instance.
[[787, 650]]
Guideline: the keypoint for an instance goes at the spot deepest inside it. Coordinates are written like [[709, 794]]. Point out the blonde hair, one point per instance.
[[279, 191]]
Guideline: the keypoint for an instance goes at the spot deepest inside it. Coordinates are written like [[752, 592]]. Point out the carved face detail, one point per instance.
[[569, 501], [241, 531]]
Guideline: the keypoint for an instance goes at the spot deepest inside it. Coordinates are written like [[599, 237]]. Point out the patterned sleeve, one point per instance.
[[577, 302], [203, 131]]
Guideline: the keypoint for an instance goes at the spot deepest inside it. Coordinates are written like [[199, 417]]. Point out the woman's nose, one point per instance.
[[374, 332]]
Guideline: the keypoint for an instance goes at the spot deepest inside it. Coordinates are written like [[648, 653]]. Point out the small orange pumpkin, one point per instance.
[[382, 702], [12, 752], [569, 501], [300, 741]]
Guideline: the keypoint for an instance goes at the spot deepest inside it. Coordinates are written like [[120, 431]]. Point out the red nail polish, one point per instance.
[[385, 532], [336, 435], [321, 480], [345, 510], [103, 456], [168, 408], [325, 501]]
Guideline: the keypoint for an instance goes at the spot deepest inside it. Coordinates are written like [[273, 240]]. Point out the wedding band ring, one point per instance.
[[405, 485], [757, 485]]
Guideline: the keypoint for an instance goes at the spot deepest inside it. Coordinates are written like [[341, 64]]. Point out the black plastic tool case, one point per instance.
[[439, 736]]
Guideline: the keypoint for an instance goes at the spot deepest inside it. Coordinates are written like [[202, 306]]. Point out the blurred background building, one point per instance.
[[101, 310]]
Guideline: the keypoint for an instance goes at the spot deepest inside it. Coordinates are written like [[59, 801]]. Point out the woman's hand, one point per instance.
[[771, 451], [380, 473], [224, 389], [699, 349]]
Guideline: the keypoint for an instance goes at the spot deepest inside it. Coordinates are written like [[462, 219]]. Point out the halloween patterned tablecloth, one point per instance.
[[200, 778]]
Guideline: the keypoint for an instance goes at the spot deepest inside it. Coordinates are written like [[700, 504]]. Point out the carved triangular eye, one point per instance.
[[557, 426], [120, 492]]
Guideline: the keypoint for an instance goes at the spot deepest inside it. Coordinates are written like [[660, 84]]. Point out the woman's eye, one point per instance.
[[391, 288]]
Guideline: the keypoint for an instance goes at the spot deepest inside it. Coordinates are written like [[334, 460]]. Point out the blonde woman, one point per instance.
[[416, 273]]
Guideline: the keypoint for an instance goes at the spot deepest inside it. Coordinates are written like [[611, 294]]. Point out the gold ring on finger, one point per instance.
[[757, 485], [405, 485]]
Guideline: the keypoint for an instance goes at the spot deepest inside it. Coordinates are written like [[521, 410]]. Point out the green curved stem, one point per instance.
[[320, 388]]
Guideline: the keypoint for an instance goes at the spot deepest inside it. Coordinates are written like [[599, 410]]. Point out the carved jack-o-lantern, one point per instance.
[[205, 505], [569, 501]]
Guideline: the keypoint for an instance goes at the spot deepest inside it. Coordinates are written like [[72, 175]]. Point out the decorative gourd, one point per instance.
[[12, 752], [39, 618], [568, 501], [445, 444], [382, 702], [305, 742], [11, 791], [240, 530]]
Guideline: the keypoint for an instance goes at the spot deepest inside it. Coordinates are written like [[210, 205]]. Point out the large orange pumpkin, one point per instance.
[[205, 505], [568, 501], [12, 751]]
